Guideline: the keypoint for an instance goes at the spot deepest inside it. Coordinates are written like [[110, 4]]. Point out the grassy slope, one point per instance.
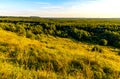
[[61, 57]]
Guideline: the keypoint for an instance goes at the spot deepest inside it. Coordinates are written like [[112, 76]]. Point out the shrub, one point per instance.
[[20, 30], [117, 44], [37, 29], [103, 42], [75, 65], [97, 49], [29, 34], [3, 49], [119, 53], [10, 27], [81, 34], [38, 37]]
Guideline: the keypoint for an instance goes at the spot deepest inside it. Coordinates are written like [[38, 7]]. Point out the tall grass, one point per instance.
[[55, 58]]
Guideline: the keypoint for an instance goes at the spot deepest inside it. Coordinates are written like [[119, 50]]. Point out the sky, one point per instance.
[[61, 8]]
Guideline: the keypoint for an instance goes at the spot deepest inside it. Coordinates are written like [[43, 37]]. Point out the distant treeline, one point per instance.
[[97, 31]]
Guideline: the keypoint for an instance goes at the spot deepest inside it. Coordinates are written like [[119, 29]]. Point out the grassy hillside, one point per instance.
[[55, 58], [37, 48]]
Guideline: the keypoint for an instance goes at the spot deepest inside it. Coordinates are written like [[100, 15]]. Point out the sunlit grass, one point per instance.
[[55, 58]]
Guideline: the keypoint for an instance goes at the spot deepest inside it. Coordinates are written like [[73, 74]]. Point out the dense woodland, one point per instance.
[[59, 48], [96, 31]]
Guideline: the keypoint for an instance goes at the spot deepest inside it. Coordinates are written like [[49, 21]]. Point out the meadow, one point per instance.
[[59, 48]]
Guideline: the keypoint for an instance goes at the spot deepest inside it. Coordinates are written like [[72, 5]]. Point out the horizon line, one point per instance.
[[64, 17]]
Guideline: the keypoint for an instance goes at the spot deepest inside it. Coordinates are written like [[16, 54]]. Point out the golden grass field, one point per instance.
[[55, 58]]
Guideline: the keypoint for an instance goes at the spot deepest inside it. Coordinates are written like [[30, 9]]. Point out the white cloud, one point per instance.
[[41, 3], [100, 8], [94, 8], [91, 8]]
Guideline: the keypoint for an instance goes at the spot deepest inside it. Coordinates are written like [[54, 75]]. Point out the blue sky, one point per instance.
[[61, 8]]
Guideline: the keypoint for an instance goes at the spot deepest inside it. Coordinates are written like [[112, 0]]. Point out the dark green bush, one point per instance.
[[117, 44], [97, 49], [81, 34], [118, 52], [103, 42]]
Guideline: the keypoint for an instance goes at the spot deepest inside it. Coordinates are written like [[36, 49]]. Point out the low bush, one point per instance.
[[103, 42], [97, 49]]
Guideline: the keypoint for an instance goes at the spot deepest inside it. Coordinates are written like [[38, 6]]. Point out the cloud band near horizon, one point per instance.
[[61, 8]]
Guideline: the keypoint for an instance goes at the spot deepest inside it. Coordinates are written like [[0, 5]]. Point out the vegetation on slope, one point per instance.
[[55, 58], [87, 30], [39, 51]]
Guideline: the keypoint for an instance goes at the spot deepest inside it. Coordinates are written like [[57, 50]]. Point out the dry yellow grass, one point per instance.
[[63, 51]]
